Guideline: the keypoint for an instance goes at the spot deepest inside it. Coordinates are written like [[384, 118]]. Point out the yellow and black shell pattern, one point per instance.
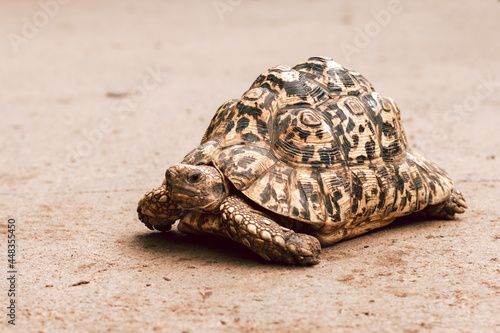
[[317, 144]]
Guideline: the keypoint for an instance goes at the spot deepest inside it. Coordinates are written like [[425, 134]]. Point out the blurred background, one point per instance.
[[67, 65], [99, 97]]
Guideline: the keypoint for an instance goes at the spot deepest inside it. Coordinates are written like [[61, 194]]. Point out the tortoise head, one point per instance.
[[196, 187]]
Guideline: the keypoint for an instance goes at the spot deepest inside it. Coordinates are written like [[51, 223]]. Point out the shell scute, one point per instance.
[[243, 164], [316, 143]]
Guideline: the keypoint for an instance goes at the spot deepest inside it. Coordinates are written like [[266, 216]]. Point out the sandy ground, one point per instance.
[[98, 98]]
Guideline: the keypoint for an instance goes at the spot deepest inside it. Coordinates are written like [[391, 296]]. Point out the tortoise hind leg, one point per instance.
[[265, 237], [454, 204]]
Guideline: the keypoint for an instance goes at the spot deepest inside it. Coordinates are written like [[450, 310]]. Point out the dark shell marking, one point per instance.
[[316, 143]]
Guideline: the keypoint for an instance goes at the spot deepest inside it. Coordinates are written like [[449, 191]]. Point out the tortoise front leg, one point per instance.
[[265, 237], [157, 211]]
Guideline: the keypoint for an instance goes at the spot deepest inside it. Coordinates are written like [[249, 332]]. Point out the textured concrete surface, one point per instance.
[[98, 98]]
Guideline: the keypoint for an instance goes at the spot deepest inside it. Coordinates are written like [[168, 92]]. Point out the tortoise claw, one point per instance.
[[461, 203]]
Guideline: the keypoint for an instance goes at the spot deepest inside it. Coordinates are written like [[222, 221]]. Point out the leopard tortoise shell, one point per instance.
[[310, 153]]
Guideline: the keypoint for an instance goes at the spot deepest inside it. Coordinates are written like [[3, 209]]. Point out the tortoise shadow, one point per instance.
[[407, 221], [204, 248], [215, 249]]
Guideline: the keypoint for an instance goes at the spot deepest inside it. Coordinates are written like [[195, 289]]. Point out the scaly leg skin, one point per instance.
[[199, 224], [157, 211], [446, 210], [265, 237]]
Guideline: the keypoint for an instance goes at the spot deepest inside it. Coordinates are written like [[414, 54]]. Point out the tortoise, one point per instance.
[[307, 157]]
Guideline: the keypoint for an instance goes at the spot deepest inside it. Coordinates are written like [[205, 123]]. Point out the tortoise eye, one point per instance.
[[309, 119], [194, 178]]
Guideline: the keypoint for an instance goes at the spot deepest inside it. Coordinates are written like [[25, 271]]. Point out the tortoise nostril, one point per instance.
[[169, 176]]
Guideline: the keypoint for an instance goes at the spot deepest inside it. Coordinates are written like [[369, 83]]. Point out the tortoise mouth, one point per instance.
[[184, 194], [180, 191], [191, 200]]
